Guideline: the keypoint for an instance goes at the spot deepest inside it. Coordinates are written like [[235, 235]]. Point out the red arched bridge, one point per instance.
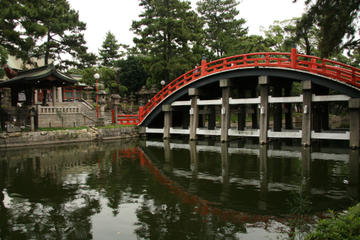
[[256, 83]]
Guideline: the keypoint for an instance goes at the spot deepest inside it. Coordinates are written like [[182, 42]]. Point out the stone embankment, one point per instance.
[[20, 139]]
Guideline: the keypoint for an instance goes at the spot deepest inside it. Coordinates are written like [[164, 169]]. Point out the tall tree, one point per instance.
[[109, 51], [223, 28], [337, 21], [47, 29], [169, 34], [131, 73], [286, 34], [3, 60]]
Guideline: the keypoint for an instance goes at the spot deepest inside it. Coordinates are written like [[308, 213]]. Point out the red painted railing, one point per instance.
[[332, 69]]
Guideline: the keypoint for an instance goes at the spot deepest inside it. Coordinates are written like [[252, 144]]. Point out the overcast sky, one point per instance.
[[116, 16]]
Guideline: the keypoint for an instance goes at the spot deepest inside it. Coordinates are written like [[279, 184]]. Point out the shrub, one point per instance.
[[339, 227]]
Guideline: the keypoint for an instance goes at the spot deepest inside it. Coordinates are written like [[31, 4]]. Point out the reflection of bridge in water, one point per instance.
[[262, 184]]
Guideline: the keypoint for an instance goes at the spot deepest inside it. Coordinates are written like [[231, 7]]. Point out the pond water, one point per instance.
[[155, 189]]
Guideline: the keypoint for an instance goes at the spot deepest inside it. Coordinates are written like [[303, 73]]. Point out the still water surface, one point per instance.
[[172, 190]]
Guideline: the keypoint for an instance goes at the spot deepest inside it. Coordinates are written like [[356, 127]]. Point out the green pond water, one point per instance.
[[154, 189]]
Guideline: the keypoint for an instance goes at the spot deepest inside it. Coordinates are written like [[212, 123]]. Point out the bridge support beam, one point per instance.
[[307, 113], [225, 109], [167, 120], [264, 118], [354, 112], [194, 113]]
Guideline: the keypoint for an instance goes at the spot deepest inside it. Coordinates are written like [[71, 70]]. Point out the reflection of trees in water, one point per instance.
[[118, 179], [43, 203], [163, 217]]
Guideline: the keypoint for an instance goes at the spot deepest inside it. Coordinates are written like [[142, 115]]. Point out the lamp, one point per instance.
[[97, 76]]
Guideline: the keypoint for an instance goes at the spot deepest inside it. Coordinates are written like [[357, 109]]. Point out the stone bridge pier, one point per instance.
[[262, 107]]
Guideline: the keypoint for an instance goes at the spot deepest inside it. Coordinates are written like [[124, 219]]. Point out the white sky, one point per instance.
[[116, 16]]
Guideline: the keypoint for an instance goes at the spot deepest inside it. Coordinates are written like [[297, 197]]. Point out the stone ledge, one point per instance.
[[20, 139]]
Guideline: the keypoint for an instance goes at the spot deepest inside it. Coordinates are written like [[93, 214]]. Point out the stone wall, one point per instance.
[[19, 139]]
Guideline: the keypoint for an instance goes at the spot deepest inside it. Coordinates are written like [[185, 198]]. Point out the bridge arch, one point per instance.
[[243, 74], [261, 71]]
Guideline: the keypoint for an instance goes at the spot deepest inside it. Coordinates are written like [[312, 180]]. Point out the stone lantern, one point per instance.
[[115, 99], [101, 99]]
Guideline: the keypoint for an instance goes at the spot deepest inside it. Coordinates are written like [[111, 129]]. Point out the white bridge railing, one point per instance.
[[55, 110]]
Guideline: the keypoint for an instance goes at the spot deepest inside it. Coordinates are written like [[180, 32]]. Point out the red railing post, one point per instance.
[[141, 109], [293, 58], [203, 66], [113, 115]]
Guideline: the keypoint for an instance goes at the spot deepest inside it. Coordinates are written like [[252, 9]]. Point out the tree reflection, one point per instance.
[[41, 202]]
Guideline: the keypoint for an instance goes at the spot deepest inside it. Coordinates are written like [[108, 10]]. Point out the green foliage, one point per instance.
[[337, 24], [3, 59], [250, 44], [109, 51], [131, 73], [43, 29], [339, 227], [169, 34], [223, 29]]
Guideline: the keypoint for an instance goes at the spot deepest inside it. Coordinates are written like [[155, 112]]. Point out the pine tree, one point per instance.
[[337, 21], [223, 29], [46, 29], [169, 34], [109, 51]]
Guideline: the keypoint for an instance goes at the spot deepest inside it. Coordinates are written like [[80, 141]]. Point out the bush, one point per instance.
[[339, 227]]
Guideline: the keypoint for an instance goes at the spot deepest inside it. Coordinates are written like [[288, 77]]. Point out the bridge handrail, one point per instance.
[[329, 68]]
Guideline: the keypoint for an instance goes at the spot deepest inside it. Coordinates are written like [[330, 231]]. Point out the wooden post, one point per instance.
[[264, 118], [354, 109], [241, 118], [167, 120], [307, 113], [194, 113], [54, 93], [225, 109], [212, 118], [288, 108], [277, 114], [254, 108], [59, 94]]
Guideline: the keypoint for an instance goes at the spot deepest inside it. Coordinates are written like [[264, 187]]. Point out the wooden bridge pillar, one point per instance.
[[254, 108], [194, 112], [242, 113], [307, 113], [277, 114], [288, 108], [167, 120], [264, 118], [354, 112], [225, 109], [212, 118]]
